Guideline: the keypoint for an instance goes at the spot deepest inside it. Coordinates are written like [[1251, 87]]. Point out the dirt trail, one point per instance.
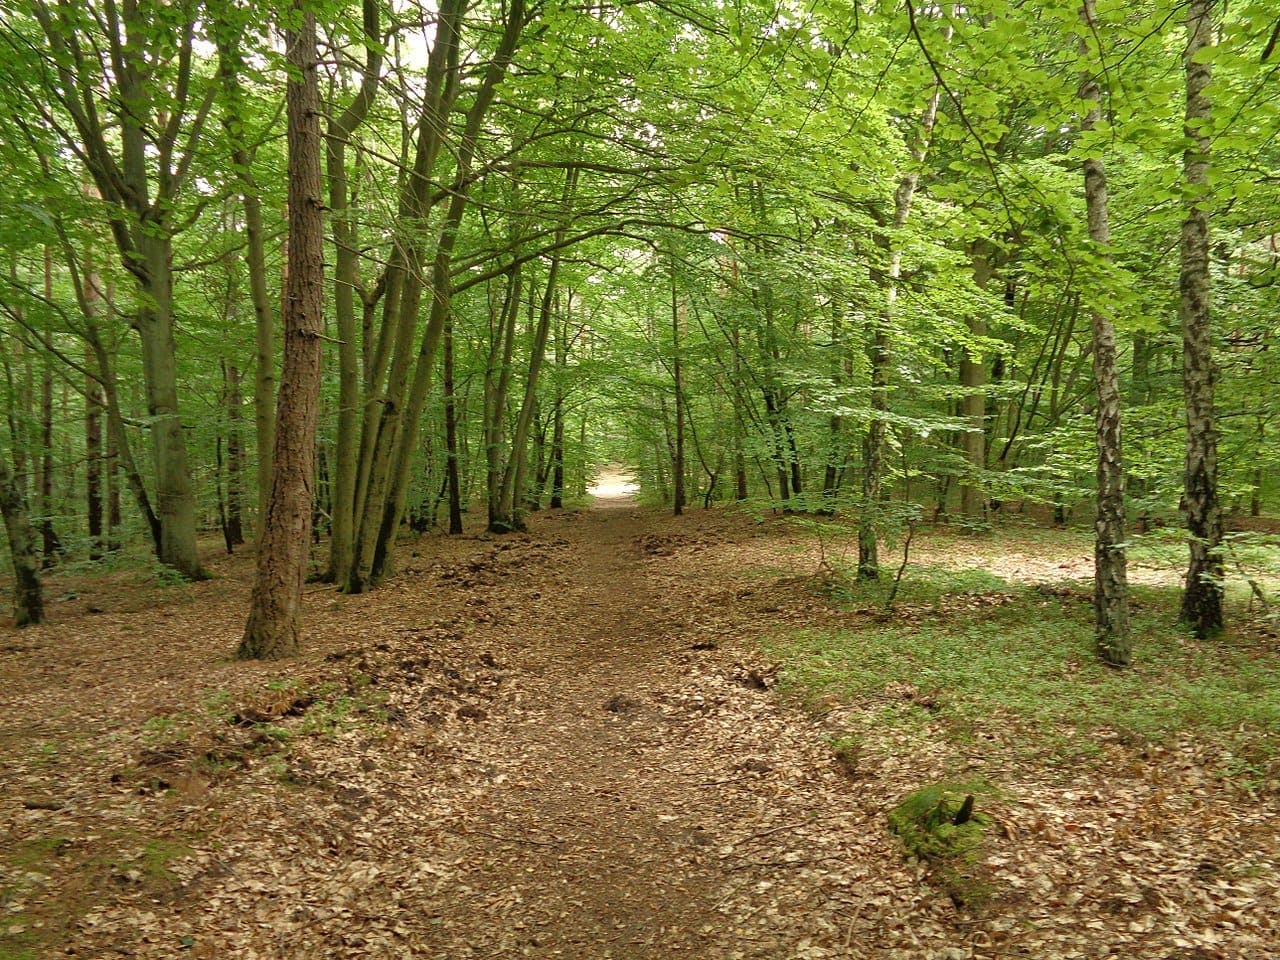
[[556, 744], [617, 823]]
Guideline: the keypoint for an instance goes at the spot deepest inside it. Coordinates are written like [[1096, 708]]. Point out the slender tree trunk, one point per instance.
[[1202, 597], [497, 382], [264, 398], [557, 427], [235, 459], [451, 434], [973, 380], [119, 449], [1110, 581], [513, 477], [274, 613], [879, 352], [677, 464], [28, 601], [346, 277], [93, 451], [51, 545], [741, 491]]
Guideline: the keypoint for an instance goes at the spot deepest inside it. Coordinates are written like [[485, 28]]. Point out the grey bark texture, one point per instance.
[[1202, 596], [1110, 579]]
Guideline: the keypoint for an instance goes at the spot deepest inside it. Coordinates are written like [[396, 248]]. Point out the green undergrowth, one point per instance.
[[967, 655]]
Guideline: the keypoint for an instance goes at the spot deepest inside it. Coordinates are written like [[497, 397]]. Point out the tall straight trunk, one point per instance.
[[879, 352], [677, 463], [93, 404], [1110, 580], [836, 453], [1202, 596], [740, 491], [973, 405], [274, 612], [140, 164], [451, 434], [346, 277], [235, 458], [557, 415], [94, 462], [497, 383], [28, 600], [51, 545], [390, 361], [514, 475], [264, 395], [175, 498], [441, 302]]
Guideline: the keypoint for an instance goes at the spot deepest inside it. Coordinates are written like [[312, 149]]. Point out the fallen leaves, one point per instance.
[[564, 744]]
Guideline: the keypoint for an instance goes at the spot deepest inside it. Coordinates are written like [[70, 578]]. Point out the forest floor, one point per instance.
[[610, 738]]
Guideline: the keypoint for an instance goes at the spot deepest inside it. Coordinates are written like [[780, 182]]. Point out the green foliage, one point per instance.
[[1016, 663]]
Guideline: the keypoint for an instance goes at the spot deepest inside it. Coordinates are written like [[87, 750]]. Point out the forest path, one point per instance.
[[637, 779], [554, 744], [564, 743]]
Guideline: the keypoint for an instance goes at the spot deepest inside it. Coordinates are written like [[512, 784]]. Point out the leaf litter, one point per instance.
[[562, 744]]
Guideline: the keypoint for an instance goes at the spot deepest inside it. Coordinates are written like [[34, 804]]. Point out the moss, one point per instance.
[[941, 825], [30, 853]]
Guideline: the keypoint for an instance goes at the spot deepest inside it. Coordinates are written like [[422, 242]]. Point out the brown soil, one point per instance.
[[560, 744]]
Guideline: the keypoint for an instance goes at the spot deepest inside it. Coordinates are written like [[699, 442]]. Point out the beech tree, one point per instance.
[[273, 627]]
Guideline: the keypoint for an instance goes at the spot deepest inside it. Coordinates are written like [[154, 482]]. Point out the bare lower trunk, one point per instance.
[[973, 406], [677, 465], [1202, 598], [93, 450], [345, 279], [175, 500], [451, 436], [235, 461], [1110, 594], [28, 602], [274, 612]]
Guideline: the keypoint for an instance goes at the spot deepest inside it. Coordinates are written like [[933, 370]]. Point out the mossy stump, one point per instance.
[[941, 826]]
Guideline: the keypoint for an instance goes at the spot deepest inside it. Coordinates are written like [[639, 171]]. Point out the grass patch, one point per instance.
[[986, 651]]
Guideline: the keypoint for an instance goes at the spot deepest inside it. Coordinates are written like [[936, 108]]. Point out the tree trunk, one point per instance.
[[1110, 581], [28, 601], [497, 382], [513, 476], [677, 463], [451, 435], [235, 459], [273, 626], [879, 352], [93, 452], [175, 499], [557, 416], [51, 545], [345, 279], [1202, 597], [973, 406]]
